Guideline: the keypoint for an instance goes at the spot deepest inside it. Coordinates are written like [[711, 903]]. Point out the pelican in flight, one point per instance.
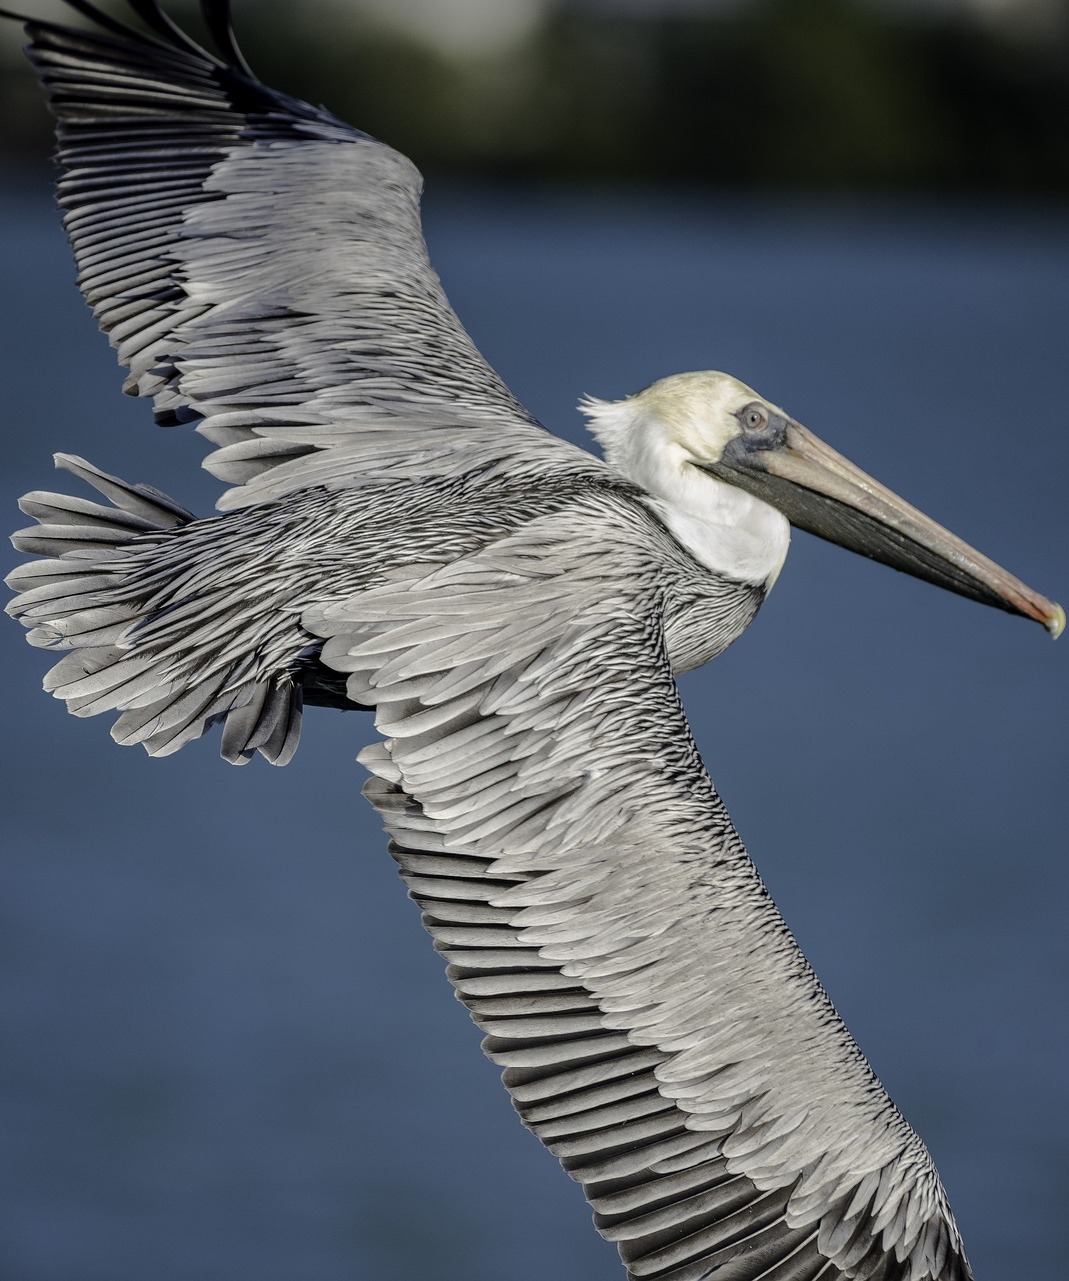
[[399, 534]]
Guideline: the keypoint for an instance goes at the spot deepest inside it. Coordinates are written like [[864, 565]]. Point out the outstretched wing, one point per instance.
[[659, 1029], [261, 266]]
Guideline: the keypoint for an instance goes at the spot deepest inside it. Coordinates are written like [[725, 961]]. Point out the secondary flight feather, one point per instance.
[[401, 535]]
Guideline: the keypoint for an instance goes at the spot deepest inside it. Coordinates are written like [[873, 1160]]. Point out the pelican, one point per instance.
[[400, 535]]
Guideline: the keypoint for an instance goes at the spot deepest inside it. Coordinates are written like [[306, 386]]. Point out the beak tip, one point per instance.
[[1055, 624]]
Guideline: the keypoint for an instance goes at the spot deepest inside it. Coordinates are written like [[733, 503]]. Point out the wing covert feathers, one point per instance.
[[180, 623], [657, 1026], [260, 266]]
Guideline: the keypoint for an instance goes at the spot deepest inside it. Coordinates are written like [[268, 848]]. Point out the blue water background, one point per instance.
[[228, 1050]]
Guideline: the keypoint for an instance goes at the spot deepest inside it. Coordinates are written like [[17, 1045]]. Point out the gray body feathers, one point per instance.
[[181, 623]]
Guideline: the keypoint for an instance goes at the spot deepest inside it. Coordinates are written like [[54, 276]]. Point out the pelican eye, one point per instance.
[[754, 417]]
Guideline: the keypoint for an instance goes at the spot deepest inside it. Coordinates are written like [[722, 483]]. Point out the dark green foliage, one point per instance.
[[816, 94]]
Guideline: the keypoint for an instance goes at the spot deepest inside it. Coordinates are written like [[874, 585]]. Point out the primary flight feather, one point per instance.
[[401, 535]]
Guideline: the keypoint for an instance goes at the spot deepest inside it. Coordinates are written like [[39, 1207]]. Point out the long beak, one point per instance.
[[820, 491]]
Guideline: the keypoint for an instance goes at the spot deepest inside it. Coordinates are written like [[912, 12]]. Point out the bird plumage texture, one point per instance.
[[401, 535], [260, 266]]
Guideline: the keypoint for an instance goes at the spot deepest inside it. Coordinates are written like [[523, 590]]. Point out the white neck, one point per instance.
[[724, 528], [749, 546]]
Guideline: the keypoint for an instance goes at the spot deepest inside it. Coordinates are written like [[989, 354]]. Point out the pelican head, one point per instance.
[[724, 465]]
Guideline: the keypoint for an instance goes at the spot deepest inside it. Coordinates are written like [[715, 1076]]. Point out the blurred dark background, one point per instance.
[[227, 1049], [843, 95]]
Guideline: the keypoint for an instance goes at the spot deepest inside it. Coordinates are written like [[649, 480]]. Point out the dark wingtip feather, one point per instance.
[[150, 12], [87, 10], [218, 20], [216, 17]]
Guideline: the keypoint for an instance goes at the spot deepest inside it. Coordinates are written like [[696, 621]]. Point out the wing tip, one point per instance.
[[162, 29], [218, 18]]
